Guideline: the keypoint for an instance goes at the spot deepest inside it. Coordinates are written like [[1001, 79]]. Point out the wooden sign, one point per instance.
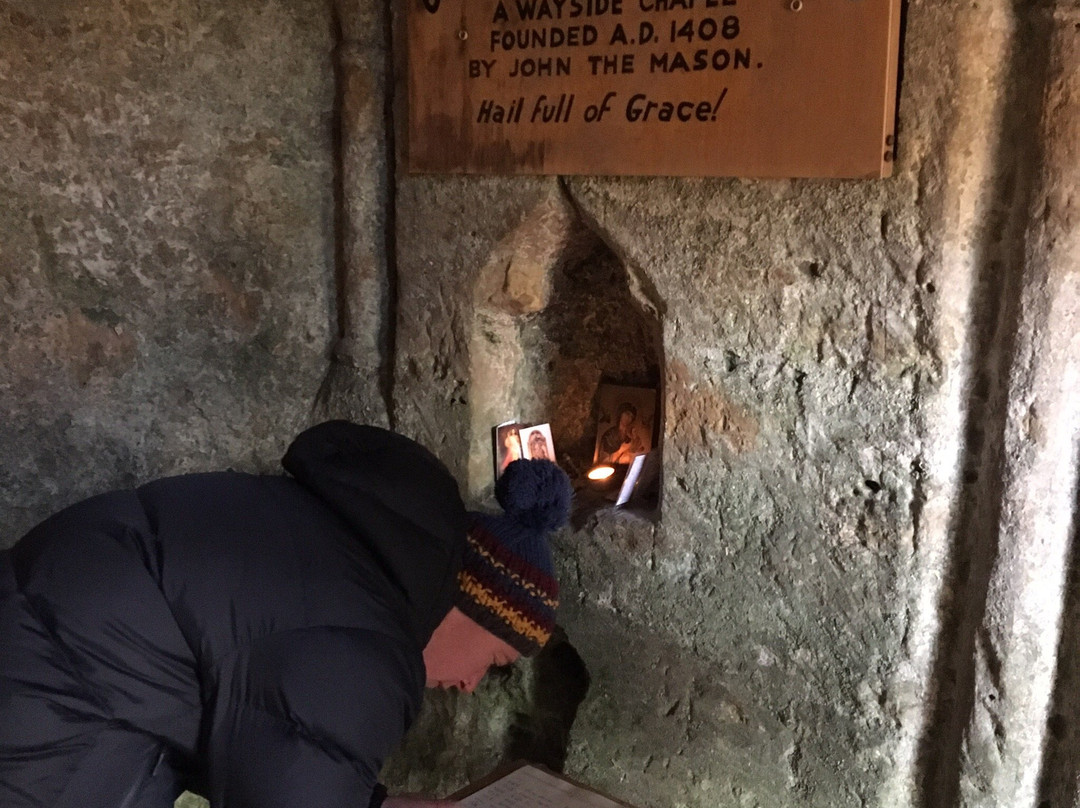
[[756, 88]]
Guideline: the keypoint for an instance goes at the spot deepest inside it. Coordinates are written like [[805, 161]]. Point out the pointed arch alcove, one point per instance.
[[557, 314]]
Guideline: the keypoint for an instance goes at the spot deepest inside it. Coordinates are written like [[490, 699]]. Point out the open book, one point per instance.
[[530, 786]]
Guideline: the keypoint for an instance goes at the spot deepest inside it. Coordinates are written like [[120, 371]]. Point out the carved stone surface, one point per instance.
[[166, 236], [858, 562], [859, 588]]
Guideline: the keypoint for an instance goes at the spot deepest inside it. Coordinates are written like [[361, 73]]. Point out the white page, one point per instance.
[[630, 480], [529, 787]]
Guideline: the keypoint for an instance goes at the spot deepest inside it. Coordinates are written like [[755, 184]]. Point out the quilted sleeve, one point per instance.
[[307, 718]]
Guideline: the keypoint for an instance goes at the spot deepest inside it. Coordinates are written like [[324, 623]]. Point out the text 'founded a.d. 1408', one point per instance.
[[544, 39]]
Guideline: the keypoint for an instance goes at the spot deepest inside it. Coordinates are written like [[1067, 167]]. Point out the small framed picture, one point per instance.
[[536, 442], [508, 446], [626, 423], [514, 441]]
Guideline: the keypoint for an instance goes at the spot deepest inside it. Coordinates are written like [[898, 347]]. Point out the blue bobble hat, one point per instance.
[[507, 581]]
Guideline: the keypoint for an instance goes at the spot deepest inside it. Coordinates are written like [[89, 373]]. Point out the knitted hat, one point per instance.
[[507, 582]]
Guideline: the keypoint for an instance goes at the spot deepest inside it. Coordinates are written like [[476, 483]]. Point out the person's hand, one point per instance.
[[410, 801]]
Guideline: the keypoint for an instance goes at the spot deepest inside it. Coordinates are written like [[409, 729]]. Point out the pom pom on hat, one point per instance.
[[507, 582], [535, 493]]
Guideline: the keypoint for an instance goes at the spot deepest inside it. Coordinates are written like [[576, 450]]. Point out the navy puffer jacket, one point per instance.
[[267, 629]]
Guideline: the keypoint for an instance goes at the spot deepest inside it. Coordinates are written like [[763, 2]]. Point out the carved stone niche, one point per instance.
[[557, 313]]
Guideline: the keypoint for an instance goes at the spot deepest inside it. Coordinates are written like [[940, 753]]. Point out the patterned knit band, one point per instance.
[[504, 593]]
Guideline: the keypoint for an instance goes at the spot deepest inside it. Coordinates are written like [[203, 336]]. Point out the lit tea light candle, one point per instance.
[[600, 473]]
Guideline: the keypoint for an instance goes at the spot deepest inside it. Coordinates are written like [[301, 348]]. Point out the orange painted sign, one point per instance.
[[757, 88]]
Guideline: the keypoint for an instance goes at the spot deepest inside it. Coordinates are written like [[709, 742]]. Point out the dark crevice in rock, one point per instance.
[[388, 183], [324, 406], [541, 732], [974, 533], [338, 145]]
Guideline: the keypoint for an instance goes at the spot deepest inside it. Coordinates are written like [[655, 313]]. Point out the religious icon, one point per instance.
[[626, 423]]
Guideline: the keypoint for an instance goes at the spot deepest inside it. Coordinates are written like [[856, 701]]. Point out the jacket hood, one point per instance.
[[402, 502]]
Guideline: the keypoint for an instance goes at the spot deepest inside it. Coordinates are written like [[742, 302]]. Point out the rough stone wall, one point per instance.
[[852, 592], [166, 240], [859, 587]]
